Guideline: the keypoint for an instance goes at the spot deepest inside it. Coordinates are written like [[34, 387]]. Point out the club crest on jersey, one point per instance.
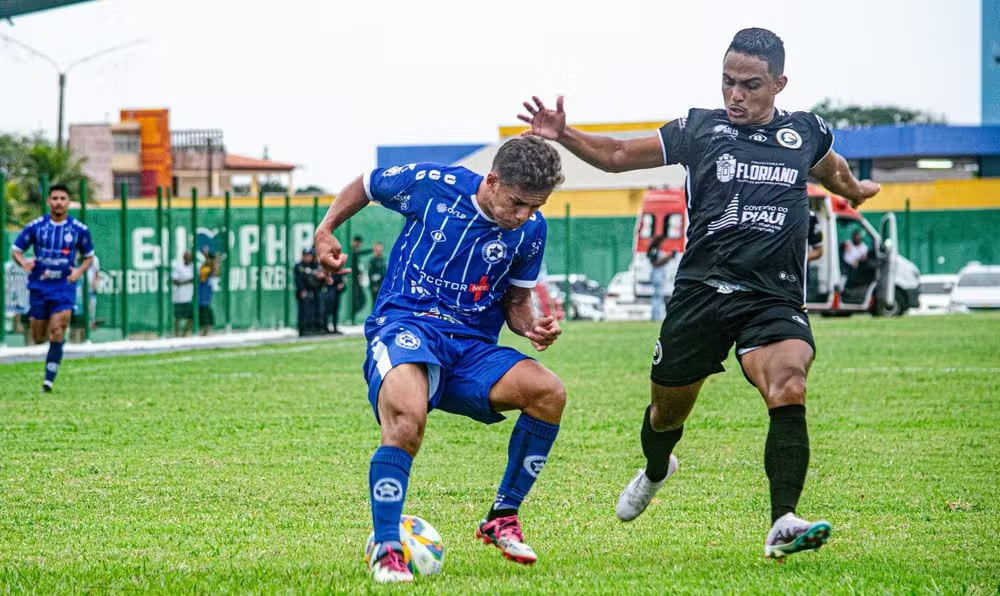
[[725, 168], [760, 138], [68, 237], [438, 236], [494, 251], [789, 138], [406, 339]]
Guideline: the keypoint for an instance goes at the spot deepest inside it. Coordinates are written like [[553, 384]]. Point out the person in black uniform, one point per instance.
[[740, 280], [308, 284]]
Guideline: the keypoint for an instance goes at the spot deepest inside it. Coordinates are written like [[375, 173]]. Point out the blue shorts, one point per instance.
[[47, 302], [461, 370]]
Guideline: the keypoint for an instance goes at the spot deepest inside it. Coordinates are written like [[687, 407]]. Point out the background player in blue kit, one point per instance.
[[56, 238], [463, 265]]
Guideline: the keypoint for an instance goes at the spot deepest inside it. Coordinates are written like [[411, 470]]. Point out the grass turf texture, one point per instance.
[[246, 471]]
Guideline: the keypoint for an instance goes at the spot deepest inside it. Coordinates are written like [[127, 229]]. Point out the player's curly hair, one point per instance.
[[763, 44], [530, 164]]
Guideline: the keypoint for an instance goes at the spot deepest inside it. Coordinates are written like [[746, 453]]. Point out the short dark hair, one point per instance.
[[56, 187], [762, 44], [529, 164]]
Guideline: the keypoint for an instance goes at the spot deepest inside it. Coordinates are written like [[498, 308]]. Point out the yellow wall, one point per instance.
[[941, 194], [923, 196]]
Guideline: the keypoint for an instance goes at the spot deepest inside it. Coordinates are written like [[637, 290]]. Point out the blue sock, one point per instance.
[[52, 361], [388, 476], [527, 452]]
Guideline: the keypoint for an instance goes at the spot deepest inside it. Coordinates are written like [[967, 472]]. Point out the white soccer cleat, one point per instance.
[[791, 534], [637, 495]]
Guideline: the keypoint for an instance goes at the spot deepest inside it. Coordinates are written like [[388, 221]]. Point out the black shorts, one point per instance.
[[702, 325], [183, 310], [206, 318]]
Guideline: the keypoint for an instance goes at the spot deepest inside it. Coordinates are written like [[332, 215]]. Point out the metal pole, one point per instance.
[[569, 254], [260, 259], [3, 260], [195, 267], [909, 230], [209, 145], [161, 275], [86, 280], [288, 259], [227, 219], [124, 246], [315, 213], [62, 97], [346, 244], [45, 194], [167, 244]]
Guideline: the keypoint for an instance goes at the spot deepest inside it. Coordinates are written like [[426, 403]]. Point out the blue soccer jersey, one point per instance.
[[56, 247], [451, 263]]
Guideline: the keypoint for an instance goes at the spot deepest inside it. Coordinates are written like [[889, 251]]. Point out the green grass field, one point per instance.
[[246, 471]]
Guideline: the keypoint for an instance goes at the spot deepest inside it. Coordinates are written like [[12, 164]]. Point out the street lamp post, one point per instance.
[[64, 72]]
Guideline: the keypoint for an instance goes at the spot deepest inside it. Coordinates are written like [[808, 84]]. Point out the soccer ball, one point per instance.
[[423, 550]]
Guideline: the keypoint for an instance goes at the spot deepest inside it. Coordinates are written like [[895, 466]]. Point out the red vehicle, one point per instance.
[[888, 286]]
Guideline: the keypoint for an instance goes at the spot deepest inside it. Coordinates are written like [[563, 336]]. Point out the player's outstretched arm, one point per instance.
[[835, 175], [521, 319], [350, 200], [601, 151]]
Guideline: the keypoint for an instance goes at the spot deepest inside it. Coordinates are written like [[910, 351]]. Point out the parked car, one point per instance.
[[620, 301], [977, 288], [586, 296], [935, 293]]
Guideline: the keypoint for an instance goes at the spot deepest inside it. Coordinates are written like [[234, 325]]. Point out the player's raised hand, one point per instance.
[[329, 252], [543, 333], [545, 123], [866, 190]]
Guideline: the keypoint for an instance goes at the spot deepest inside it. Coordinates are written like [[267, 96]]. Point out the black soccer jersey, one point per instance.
[[746, 191]]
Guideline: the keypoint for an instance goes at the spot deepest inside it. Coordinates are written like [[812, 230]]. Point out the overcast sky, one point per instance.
[[321, 83]]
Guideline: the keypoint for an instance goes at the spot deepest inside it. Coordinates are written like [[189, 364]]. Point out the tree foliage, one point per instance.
[[26, 161], [855, 116]]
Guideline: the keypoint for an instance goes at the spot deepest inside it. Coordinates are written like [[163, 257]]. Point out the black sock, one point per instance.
[[657, 447], [786, 457], [495, 513]]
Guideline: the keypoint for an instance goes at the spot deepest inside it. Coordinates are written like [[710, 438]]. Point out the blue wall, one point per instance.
[[387, 156]]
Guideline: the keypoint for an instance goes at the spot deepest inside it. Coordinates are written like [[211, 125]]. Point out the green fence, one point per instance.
[[944, 241], [260, 245]]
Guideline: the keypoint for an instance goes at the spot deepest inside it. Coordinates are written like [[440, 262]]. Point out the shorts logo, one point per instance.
[[438, 236], [760, 138], [657, 353], [494, 251], [787, 277], [407, 340], [534, 464], [380, 321], [799, 320], [725, 168], [789, 138], [387, 490]]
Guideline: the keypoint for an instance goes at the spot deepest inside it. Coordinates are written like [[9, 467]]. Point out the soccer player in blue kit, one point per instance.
[[464, 264], [56, 238]]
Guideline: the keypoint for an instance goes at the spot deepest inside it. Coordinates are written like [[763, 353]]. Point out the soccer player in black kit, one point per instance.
[[742, 277]]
